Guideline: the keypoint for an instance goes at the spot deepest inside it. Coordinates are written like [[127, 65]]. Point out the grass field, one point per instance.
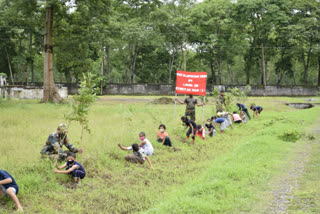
[[229, 173]]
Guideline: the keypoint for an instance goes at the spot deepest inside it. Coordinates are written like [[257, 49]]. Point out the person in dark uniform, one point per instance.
[[190, 106]]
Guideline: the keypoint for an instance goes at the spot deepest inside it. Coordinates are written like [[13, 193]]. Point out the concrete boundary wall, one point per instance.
[[27, 92], [36, 91], [157, 89]]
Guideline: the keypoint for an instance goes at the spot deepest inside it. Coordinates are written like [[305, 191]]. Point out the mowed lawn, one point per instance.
[[228, 173]]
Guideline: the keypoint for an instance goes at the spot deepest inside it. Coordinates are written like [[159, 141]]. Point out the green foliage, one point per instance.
[[82, 101], [237, 96], [290, 136], [144, 41]]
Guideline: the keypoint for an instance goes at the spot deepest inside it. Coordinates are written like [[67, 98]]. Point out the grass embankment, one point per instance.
[[219, 175]]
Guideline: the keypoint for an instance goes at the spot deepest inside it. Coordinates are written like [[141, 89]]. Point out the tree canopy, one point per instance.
[[258, 42]]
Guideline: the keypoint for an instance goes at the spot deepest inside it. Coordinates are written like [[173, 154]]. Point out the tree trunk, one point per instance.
[[171, 61], [270, 70], [69, 76], [319, 69], [50, 92], [306, 66], [102, 69], [108, 63], [231, 73], [26, 74], [31, 57], [133, 58], [219, 69], [185, 58], [263, 66], [9, 64], [125, 73], [213, 74]]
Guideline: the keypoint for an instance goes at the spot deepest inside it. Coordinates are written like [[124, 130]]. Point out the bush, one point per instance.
[[290, 136]]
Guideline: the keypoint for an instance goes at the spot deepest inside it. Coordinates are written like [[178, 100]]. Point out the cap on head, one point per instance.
[[63, 128]]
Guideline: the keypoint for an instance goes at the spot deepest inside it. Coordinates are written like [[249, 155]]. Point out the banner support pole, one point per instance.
[[175, 106], [204, 99]]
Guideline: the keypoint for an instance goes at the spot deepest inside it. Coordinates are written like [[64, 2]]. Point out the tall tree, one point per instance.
[[50, 93]]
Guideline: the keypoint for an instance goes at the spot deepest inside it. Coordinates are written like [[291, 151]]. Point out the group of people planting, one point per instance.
[[222, 117], [140, 152]]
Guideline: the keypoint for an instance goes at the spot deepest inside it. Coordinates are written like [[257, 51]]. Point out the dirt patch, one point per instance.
[[70, 185], [163, 100], [106, 176], [284, 187], [103, 99]]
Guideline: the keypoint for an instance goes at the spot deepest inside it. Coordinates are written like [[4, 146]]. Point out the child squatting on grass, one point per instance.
[[211, 130], [145, 144], [201, 132], [243, 117], [73, 167], [192, 127], [9, 187], [163, 136], [138, 156]]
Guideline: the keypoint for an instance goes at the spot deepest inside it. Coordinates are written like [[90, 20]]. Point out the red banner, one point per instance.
[[191, 83]]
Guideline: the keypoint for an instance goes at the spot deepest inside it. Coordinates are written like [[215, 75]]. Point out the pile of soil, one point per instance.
[[163, 100]]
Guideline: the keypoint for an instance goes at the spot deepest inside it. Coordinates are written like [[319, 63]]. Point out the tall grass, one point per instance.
[[212, 175]]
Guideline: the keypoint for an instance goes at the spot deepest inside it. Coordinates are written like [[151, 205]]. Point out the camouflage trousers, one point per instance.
[[191, 114], [53, 151], [134, 159]]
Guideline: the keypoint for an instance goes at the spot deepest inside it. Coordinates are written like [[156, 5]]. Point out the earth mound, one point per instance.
[[163, 100]]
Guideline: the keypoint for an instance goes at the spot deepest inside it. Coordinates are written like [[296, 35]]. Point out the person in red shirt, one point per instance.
[[163, 136], [201, 132]]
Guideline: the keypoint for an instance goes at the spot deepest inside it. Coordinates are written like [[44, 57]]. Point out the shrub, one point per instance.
[[290, 136]]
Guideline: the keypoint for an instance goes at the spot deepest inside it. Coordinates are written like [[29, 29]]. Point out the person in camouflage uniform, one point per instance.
[[190, 108], [53, 146], [220, 103]]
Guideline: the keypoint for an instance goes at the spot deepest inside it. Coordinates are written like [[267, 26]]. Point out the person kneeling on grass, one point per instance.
[[192, 127], [201, 132], [54, 143], [9, 187], [222, 121], [145, 144], [163, 136], [211, 130], [243, 117], [73, 167], [236, 118], [138, 156]]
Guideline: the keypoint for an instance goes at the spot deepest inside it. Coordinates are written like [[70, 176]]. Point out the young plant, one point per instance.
[[81, 102]]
